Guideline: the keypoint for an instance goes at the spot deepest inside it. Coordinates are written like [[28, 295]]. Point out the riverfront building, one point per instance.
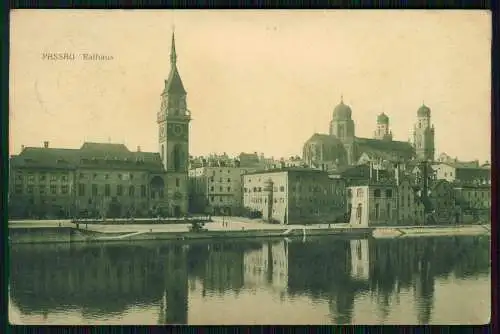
[[103, 179], [295, 195], [216, 190]]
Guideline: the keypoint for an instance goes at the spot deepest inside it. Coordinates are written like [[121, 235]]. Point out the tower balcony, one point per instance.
[[182, 116]]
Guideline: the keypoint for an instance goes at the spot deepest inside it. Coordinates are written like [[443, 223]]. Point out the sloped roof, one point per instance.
[[174, 83], [387, 149], [90, 155], [325, 139]]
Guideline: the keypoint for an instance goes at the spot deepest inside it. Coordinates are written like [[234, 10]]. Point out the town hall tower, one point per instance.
[[173, 141]]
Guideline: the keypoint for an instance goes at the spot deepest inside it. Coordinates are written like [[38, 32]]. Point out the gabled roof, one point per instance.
[[387, 149], [90, 155], [325, 139]]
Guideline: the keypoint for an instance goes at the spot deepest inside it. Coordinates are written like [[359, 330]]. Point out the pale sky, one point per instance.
[[260, 81]]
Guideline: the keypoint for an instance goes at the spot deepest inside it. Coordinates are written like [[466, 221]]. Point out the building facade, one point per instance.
[[411, 210], [97, 180], [217, 190], [294, 195], [463, 172], [373, 203]]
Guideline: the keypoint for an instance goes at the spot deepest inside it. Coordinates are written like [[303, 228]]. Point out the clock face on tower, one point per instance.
[[177, 130]]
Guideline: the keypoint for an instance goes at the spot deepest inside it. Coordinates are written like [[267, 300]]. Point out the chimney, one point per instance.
[[46, 144], [138, 148]]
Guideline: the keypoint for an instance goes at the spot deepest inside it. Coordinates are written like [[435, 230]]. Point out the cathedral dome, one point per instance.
[[382, 119], [342, 111], [424, 111]]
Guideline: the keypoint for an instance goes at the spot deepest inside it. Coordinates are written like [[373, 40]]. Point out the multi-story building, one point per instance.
[[442, 202], [216, 190], [108, 179], [373, 202], [411, 210], [463, 172], [294, 195], [95, 180], [474, 200]]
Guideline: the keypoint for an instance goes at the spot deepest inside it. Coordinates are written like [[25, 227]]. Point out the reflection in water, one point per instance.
[[103, 282]]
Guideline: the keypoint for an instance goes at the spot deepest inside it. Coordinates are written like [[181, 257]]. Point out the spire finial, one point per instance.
[[173, 54], [341, 98]]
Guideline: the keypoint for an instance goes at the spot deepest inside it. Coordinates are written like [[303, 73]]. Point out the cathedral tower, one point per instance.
[[382, 132], [342, 127], [423, 135], [173, 141]]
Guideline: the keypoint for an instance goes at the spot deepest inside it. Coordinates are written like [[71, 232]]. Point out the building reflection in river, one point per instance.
[[102, 281]]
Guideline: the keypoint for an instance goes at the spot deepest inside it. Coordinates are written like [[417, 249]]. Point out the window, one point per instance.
[[53, 178], [376, 193], [82, 176], [211, 198], [143, 190], [30, 189], [377, 211], [64, 178], [228, 180], [43, 177], [53, 189], [388, 193], [220, 188], [389, 210], [131, 190], [107, 190], [282, 188], [177, 182], [31, 178], [212, 188], [259, 189], [106, 176], [94, 176], [211, 179], [120, 176], [42, 190], [359, 192], [119, 190], [18, 189], [220, 199], [64, 189], [94, 190], [81, 189], [228, 189]]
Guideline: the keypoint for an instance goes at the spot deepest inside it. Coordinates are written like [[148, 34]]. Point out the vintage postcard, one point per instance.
[[249, 167]]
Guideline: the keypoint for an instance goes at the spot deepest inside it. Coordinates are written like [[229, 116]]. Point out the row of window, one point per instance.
[[212, 179], [82, 190], [42, 177], [220, 188], [120, 176], [42, 190], [259, 189]]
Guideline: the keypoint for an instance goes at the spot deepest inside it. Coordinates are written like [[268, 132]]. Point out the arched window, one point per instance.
[[177, 157], [341, 131]]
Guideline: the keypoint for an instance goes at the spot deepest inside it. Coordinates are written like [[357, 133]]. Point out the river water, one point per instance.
[[424, 280]]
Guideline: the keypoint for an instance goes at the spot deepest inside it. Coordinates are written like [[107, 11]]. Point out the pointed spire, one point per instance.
[[173, 54]]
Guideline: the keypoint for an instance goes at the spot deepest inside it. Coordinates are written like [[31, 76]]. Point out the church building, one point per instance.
[[341, 147]]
